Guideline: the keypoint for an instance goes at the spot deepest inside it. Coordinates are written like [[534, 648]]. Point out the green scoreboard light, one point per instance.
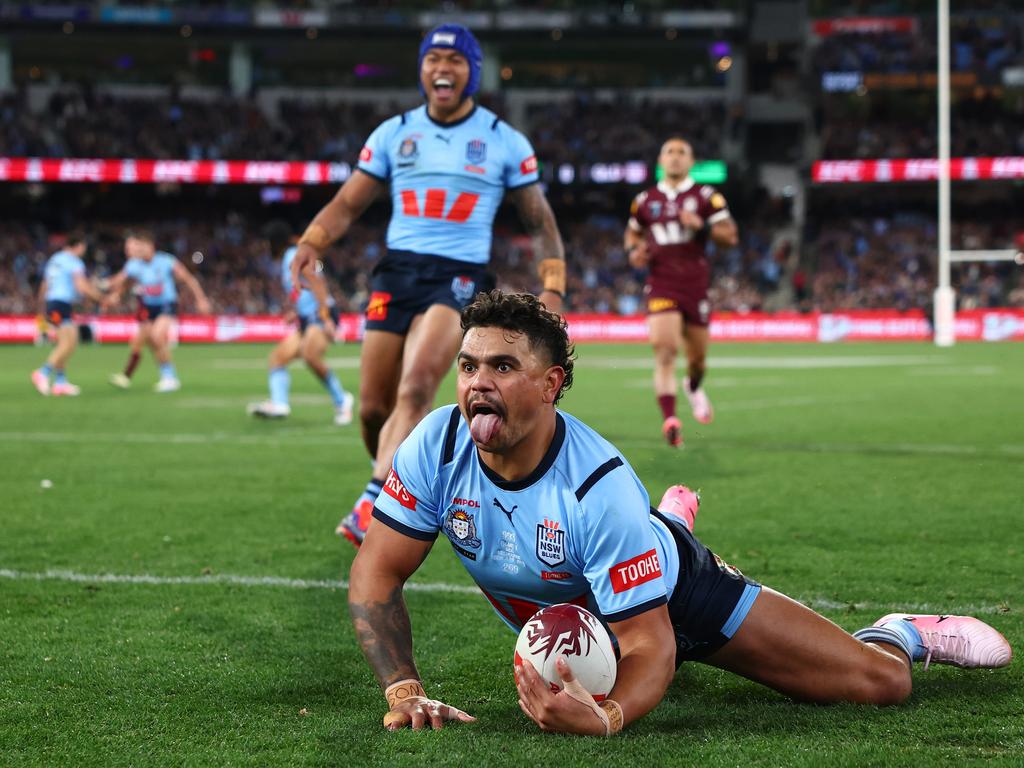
[[703, 172]]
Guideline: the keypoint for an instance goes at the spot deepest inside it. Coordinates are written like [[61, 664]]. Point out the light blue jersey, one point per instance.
[[306, 305], [447, 180], [577, 530], [155, 278], [59, 273]]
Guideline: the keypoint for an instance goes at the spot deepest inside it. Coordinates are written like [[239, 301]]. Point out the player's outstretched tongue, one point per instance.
[[484, 426]]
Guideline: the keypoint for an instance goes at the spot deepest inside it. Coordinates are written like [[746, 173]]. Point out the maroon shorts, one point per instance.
[[693, 305]]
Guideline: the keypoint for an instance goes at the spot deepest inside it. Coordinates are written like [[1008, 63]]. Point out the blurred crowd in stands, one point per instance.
[[844, 263]]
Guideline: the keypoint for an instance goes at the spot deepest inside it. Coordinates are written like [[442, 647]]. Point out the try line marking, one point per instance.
[[437, 587]]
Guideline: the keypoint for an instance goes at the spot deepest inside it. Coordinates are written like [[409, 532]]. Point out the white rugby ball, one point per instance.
[[568, 630]]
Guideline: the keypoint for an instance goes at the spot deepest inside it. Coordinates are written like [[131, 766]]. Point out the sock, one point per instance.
[[280, 381], [902, 634], [133, 363], [667, 403], [59, 377], [46, 369], [694, 381], [373, 489], [332, 385], [167, 371]]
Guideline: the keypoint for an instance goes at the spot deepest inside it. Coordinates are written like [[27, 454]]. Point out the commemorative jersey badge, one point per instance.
[[460, 528], [551, 543], [407, 152]]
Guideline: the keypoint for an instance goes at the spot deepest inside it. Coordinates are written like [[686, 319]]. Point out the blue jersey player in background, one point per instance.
[[540, 509], [449, 164], [63, 284], [155, 275], [314, 309]]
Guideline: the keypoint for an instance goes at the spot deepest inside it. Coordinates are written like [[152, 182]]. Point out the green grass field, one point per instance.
[[172, 599]]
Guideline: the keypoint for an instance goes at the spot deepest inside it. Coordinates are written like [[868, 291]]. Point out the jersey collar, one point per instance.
[[460, 121], [673, 192], [539, 472]]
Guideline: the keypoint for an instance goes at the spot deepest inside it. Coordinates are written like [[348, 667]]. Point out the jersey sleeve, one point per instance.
[[520, 161], [76, 266], [409, 501], [620, 551], [373, 157], [637, 219], [713, 207], [133, 268]]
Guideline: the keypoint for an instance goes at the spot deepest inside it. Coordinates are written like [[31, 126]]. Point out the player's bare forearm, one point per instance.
[[317, 284], [725, 233], [631, 238], [647, 664], [539, 222], [382, 626], [347, 205]]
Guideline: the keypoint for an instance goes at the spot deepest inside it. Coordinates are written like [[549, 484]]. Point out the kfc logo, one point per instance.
[[365, 155], [393, 487], [634, 572], [529, 165]]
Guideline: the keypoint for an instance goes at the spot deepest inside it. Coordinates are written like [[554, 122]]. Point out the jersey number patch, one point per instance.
[[434, 205]]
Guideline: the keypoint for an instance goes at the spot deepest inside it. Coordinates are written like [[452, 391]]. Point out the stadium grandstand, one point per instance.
[[768, 105]]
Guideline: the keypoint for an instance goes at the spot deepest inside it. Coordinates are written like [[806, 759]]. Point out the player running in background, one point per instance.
[[449, 163], [63, 284], [668, 230], [506, 465], [155, 273], [318, 318]]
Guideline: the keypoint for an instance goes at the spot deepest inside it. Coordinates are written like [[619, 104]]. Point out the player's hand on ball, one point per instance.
[[421, 712], [571, 710]]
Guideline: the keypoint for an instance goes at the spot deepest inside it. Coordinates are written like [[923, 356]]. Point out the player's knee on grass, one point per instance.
[[882, 680]]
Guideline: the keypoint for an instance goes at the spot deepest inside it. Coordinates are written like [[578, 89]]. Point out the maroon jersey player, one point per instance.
[[668, 230]]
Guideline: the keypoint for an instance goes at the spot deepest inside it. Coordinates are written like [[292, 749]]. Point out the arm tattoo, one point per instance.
[[539, 222], [385, 635]]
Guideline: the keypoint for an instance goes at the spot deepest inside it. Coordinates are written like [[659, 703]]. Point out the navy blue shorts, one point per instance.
[[306, 321], [405, 284], [58, 312], [147, 313], [711, 597]]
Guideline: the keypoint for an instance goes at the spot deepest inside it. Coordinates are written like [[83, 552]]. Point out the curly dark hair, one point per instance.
[[523, 313]]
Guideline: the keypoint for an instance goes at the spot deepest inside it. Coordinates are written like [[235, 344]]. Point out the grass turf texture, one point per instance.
[[859, 478]]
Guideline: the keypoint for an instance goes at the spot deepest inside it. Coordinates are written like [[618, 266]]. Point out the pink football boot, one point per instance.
[[699, 403], [673, 431], [682, 503], [962, 641]]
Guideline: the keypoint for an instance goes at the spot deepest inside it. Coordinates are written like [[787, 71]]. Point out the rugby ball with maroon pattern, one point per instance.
[[574, 632]]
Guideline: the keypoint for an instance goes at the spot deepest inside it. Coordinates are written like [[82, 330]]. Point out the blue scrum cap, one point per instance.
[[459, 38]]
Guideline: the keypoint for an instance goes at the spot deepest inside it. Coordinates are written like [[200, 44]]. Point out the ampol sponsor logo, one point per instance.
[[466, 502]]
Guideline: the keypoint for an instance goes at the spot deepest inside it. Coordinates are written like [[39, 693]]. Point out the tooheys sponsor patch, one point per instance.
[[635, 571], [393, 487]]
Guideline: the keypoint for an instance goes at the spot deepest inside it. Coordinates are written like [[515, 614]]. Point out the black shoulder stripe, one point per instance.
[[494, 125], [596, 475], [450, 434]]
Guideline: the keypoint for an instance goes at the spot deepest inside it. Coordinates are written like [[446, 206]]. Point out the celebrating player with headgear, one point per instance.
[[449, 163]]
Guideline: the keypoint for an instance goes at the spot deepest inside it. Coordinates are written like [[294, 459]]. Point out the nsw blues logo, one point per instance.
[[463, 288], [460, 527], [551, 543], [476, 151]]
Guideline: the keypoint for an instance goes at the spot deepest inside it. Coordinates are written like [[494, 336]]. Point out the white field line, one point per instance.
[[714, 362], [278, 436], [769, 363], [430, 587], [719, 382], [242, 401], [300, 437]]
